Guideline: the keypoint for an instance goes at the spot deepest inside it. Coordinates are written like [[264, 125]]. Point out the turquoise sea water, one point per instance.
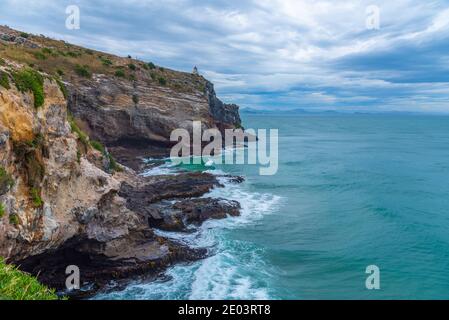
[[351, 191]]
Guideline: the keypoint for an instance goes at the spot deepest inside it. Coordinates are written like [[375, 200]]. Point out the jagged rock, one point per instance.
[[178, 216]]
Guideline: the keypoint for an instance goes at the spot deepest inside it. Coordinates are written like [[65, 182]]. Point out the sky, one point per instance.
[[272, 54]]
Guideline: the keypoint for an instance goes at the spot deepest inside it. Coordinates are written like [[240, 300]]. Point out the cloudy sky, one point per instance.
[[272, 54]]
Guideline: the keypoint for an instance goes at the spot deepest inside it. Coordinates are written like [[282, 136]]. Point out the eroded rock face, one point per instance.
[[105, 109]]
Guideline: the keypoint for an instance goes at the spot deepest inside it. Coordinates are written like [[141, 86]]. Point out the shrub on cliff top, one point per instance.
[[132, 66], [120, 73], [17, 285], [4, 80], [30, 80], [162, 81], [83, 71]]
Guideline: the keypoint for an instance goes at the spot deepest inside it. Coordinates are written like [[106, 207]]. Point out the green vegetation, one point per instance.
[[4, 80], [120, 73], [106, 62], [60, 72], [73, 54], [17, 285], [98, 146], [162, 81], [62, 87], [75, 129], [135, 98], [47, 51], [132, 66], [114, 165], [36, 196], [40, 56], [24, 35], [6, 181], [83, 71], [2, 62], [30, 80], [2, 210], [13, 219], [151, 65]]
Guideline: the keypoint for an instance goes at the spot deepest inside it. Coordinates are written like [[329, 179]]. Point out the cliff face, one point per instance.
[[123, 102], [63, 200]]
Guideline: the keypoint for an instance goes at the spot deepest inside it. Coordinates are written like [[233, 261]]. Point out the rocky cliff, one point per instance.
[[63, 198]]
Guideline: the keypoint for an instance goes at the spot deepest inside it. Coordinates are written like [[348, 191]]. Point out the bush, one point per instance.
[[6, 181], [83, 71], [98, 146], [135, 98], [36, 196], [106, 62], [47, 51], [120, 73], [132, 66], [31, 80], [24, 35], [2, 62], [73, 54], [60, 72], [2, 210], [151, 65], [4, 80], [13, 219], [16, 285], [162, 81], [62, 87], [75, 129], [40, 56]]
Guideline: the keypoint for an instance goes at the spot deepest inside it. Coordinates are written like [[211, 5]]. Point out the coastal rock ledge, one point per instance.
[[71, 150]]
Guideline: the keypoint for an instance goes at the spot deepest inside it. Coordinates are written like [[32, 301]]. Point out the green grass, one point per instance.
[[30, 80], [17, 285], [4, 80]]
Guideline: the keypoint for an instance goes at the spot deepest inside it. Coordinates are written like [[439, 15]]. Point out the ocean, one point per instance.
[[351, 191]]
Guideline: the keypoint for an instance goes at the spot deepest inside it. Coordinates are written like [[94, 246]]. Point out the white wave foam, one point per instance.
[[236, 270]]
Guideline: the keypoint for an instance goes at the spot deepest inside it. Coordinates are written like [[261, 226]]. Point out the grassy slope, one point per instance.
[[16, 285], [59, 58]]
